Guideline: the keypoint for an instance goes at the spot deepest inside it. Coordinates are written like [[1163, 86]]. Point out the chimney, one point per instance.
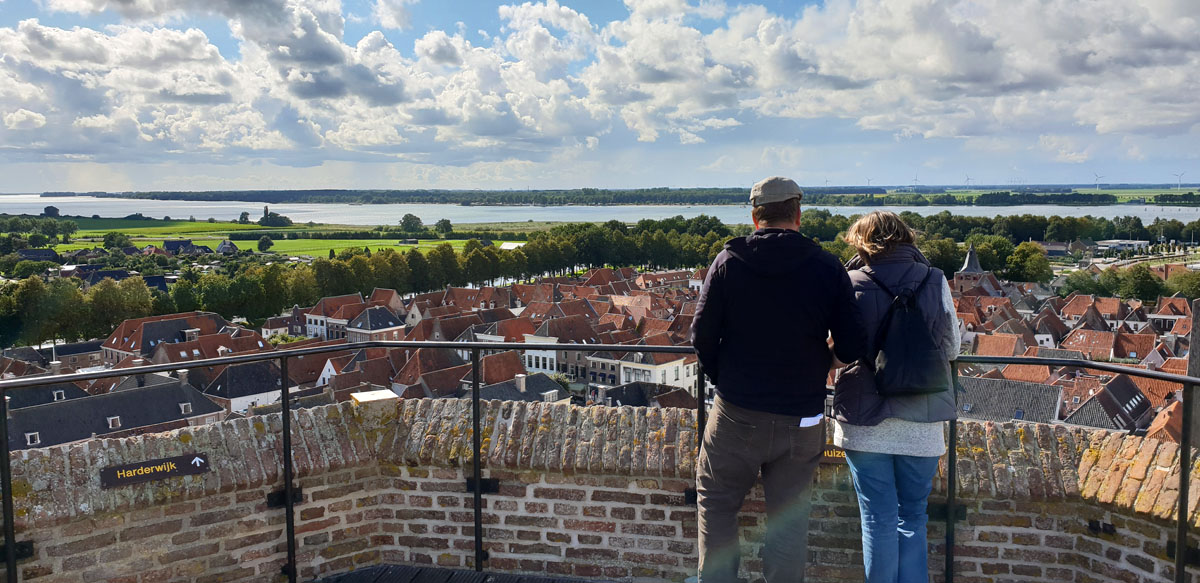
[[191, 334], [141, 379], [520, 380], [183, 376], [223, 350], [8, 406], [55, 366], [550, 396]]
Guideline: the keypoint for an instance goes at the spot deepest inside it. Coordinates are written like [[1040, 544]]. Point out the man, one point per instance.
[[762, 330]]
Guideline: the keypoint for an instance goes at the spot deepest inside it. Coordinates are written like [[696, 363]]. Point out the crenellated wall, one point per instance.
[[590, 492]]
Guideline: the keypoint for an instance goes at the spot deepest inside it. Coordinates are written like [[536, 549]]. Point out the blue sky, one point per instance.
[[235, 94]]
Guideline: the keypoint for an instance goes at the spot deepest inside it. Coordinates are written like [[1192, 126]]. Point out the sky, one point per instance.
[[460, 94]]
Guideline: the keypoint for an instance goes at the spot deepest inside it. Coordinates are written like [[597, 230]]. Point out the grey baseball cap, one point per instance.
[[774, 189]]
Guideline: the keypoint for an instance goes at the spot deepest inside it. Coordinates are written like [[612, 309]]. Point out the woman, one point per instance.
[[893, 443]]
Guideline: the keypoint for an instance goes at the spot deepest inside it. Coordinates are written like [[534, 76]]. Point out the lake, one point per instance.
[[390, 214]]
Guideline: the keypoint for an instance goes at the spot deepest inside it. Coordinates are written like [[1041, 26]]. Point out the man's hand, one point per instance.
[[835, 363]]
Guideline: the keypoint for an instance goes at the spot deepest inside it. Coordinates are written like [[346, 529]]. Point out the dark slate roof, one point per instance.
[[27, 354], [535, 385], [227, 246], [314, 397], [158, 332], [32, 396], [1000, 399], [96, 277], [1092, 414], [637, 393], [971, 264], [175, 245], [375, 318], [243, 380], [158, 282], [37, 254], [147, 380], [77, 419], [78, 347]]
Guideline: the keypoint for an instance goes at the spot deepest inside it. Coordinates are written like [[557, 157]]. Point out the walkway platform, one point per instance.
[[411, 574]]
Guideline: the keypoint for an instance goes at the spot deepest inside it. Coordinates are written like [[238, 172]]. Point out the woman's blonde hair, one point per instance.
[[879, 232]]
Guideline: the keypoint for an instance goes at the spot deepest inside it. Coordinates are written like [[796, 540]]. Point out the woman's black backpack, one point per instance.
[[908, 359]]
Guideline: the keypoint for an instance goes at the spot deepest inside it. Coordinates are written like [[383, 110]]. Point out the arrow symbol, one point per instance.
[[197, 461]]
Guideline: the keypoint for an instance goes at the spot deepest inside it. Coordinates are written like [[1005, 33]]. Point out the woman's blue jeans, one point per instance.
[[892, 494]]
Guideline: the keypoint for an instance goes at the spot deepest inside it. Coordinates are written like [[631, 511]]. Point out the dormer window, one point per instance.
[[33, 438], [185, 408], [59, 394], [114, 422]]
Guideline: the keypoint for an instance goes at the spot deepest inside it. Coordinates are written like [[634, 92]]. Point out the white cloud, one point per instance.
[[1004, 76], [23, 119], [392, 14]]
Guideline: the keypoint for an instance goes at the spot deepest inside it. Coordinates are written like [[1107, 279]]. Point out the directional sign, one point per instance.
[[150, 470], [833, 454]]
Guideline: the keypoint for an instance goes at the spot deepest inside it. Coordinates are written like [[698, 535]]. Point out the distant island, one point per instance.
[[829, 196]]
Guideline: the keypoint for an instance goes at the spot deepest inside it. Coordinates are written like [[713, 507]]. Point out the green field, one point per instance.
[[314, 247]]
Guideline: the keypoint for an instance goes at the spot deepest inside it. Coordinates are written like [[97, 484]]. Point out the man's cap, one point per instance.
[[774, 189]]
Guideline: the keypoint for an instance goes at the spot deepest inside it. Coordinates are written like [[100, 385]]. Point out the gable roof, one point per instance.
[[1002, 399], [78, 419], [375, 318], [245, 379]]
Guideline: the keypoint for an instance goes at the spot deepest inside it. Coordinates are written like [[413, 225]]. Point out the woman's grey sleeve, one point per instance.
[[952, 339]]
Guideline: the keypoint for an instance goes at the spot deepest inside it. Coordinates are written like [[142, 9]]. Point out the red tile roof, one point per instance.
[[1168, 424], [1092, 343], [996, 344]]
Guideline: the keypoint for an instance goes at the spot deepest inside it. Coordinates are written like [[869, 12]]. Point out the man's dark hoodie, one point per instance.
[[768, 304]]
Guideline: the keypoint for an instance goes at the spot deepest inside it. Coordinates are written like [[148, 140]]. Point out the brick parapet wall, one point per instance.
[[594, 492]]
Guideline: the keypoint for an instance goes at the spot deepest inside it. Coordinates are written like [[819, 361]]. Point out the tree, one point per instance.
[[274, 219], [30, 300], [50, 211], [162, 303], [444, 261], [419, 271], [183, 293], [1028, 262], [332, 254], [1141, 283], [26, 268], [443, 226], [993, 251], [117, 240], [1186, 283], [411, 223], [264, 243], [1082, 282], [38, 240], [302, 287], [244, 218], [65, 309]]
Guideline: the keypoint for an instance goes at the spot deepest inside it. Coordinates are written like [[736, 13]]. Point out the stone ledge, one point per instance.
[[1000, 461]]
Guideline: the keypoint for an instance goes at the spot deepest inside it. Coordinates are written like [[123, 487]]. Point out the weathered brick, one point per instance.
[[589, 525], [149, 530], [622, 497], [559, 494], [82, 545], [189, 553], [592, 554]]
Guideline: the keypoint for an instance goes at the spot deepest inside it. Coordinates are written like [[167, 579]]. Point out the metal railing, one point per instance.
[[475, 484]]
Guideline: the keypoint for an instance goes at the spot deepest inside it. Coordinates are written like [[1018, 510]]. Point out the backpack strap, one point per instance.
[[881, 332]]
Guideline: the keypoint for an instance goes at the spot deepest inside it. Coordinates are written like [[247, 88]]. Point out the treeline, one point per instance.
[[1015, 198], [829, 196], [579, 196], [1184, 199], [1137, 281], [33, 312], [19, 232]]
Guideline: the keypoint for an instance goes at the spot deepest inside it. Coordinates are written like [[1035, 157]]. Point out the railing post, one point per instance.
[[701, 409], [952, 478], [477, 448], [1183, 523], [289, 504], [10, 521]]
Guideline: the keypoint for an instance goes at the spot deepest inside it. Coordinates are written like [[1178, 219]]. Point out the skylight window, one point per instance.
[[114, 422], [32, 438]]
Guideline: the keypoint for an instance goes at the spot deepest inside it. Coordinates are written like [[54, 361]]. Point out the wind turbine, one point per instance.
[[968, 182], [868, 182], [1179, 178], [1098, 177]]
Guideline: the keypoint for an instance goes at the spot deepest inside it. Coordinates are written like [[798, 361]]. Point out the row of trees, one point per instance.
[[33, 311]]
